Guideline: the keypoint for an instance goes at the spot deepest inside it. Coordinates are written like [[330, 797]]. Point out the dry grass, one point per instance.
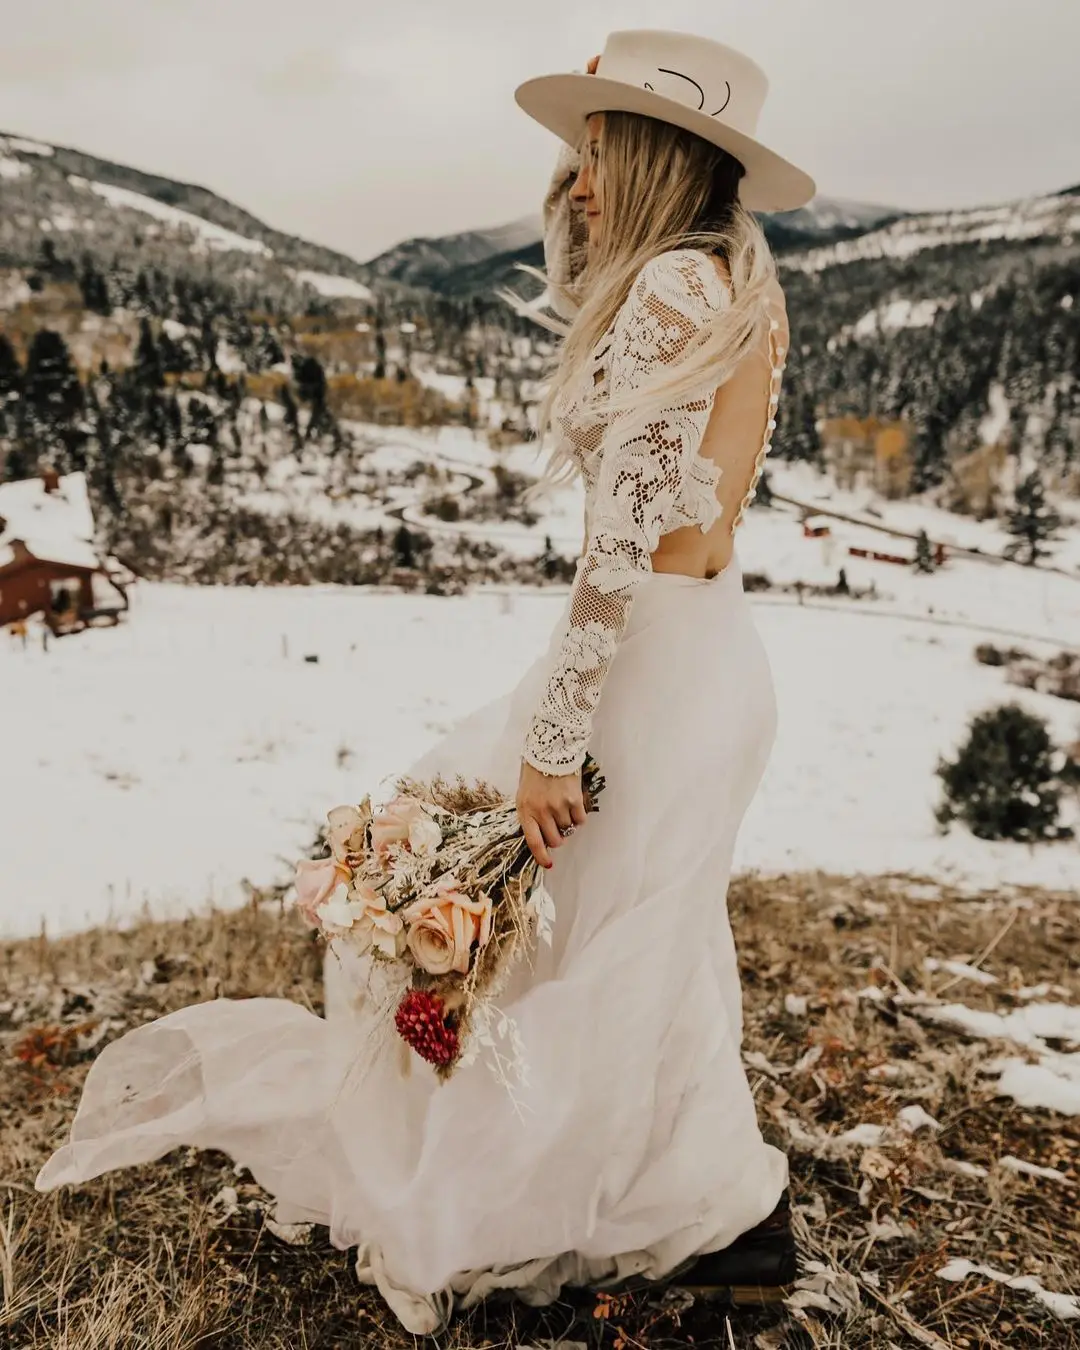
[[142, 1259]]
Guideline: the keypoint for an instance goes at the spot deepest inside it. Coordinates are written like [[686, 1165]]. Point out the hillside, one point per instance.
[[965, 324], [435, 262], [195, 363], [118, 215], [476, 263]]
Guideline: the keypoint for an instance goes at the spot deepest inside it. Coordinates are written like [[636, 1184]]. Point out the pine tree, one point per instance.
[[404, 555], [1032, 522], [310, 379], [1002, 783], [209, 344], [380, 353], [215, 470], [147, 367], [764, 490], [292, 414], [174, 421], [796, 434], [105, 469], [1059, 440], [924, 554], [311, 387], [19, 463], [11, 375], [94, 287], [52, 392], [172, 355], [930, 456]]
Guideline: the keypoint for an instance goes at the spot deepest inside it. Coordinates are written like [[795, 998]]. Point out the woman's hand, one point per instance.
[[546, 805]]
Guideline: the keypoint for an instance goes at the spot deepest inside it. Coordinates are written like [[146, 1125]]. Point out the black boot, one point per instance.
[[758, 1268]]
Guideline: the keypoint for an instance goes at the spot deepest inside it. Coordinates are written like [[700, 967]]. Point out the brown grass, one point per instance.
[[142, 1259]]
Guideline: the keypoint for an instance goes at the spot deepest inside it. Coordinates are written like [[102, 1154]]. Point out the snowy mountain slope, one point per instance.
[[1053, 218], [92, 204]]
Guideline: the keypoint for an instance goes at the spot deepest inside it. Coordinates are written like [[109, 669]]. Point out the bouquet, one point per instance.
[[441, 884]]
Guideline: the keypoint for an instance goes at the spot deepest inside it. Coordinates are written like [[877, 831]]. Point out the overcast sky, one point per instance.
[[358, 123]]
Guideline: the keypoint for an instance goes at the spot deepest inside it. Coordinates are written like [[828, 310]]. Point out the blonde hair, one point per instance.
[[660, 188]]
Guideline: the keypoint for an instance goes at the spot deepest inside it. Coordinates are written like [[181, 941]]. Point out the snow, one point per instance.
[[811, 485], [335, 287], [1054, 216], [1064, 1306], [961, 969], [26, 147], [57, 526], [1052, 1082], [13, 168], [996, 421], [1030, 1169], [915, 1118], [198, 721], [897, 314], [194, 746], [964, 1168], [1029, 1026], [208, 235]]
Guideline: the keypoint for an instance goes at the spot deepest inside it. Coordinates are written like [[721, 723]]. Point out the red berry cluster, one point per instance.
[[421, 1022]]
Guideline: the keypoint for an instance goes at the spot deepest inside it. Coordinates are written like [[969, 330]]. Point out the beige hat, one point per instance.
[[697, 84]]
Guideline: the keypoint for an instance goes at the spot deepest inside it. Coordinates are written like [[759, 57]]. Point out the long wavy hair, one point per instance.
[[659, 188]]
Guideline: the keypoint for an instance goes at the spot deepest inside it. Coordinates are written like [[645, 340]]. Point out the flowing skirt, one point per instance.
[[634, 1143]]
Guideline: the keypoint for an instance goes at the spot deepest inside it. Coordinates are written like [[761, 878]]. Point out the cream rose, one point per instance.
[[362, 914], [395, 821], [316, 882], [444, 925]]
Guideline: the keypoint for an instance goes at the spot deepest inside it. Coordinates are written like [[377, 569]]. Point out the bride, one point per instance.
[[632, 1153]]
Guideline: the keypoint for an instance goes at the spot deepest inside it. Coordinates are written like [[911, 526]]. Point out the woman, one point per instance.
[[633, 1152]]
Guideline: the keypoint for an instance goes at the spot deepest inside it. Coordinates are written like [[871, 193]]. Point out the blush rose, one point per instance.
[[444, 925], [404, 821], [316, 882]]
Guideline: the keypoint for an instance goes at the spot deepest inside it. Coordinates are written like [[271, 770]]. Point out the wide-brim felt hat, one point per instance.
[[692, 82]]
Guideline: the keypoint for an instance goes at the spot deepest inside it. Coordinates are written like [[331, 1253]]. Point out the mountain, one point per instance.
[[962, 324], [114, 213], [965, 324], [431, 262], [193, 361], [476, 262]]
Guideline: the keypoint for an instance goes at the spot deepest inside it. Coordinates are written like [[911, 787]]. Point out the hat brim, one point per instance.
[[564, 103]]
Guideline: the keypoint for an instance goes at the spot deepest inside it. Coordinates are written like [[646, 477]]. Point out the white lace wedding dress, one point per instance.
[[634, 1143]]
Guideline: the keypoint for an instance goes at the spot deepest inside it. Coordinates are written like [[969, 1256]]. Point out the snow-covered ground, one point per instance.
[[163, 763]]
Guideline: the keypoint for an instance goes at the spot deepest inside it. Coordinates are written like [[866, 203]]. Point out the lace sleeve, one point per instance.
[[640, 476]]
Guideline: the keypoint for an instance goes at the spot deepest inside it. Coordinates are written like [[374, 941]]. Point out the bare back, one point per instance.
[[737, 438]]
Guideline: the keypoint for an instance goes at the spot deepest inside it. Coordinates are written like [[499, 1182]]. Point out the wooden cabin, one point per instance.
[[48, 563]]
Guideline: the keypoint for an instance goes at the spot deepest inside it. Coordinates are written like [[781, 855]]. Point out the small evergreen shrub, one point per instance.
[[1003, 783]]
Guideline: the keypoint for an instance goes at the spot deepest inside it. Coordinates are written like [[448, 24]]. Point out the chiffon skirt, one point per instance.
[[633, 1144]]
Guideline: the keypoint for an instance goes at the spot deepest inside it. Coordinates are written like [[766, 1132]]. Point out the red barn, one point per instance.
[[48, 562]]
